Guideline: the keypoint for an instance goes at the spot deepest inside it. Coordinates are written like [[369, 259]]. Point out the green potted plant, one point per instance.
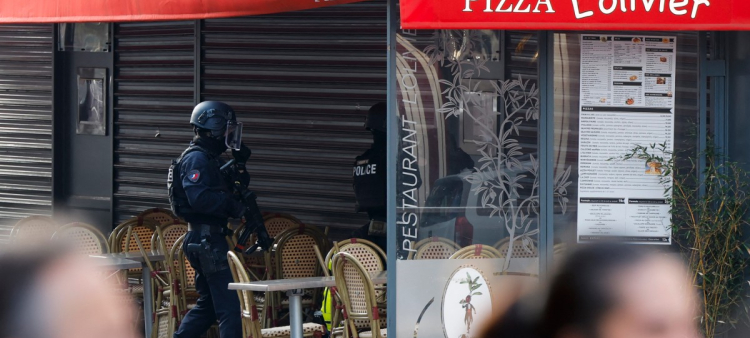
[[709, 211]]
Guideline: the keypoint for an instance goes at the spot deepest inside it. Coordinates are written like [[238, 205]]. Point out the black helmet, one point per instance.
[[376, 117], [212, 115], [220, 120]]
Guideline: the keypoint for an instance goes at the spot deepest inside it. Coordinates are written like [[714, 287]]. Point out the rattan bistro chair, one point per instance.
[[168, 241], [185, 279], [523, 247], [295, 252], [134, 236], [251, 324], [160, 216], [559, 249], [169, 235], [295, 257], [121, 237], [33, 229], [168, 295], [477, 251], [177, 280], [357, 292], [373, 259], [371, 256], [434, 248], [85, 238], [274, 223], [125, 237]]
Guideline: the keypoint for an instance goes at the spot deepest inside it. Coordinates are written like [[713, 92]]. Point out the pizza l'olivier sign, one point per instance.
[[577, 14], [605, 7]]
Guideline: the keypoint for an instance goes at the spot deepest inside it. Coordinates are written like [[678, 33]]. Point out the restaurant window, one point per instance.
[[469, 166], [615, 91], [468, 175]]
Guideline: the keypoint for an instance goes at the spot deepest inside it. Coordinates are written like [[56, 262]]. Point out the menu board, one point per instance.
[[626, 99]]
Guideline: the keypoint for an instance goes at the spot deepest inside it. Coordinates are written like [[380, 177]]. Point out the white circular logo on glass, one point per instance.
[[467, 303]]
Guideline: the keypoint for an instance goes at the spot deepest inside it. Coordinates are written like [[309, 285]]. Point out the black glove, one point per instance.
[[264, 240], [254, 222], [242, 155], [244, 178]]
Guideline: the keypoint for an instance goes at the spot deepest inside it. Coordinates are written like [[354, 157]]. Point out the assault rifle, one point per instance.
[[253, 217]]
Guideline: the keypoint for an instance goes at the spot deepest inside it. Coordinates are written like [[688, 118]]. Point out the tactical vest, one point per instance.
[[178, 200], [369, 173]]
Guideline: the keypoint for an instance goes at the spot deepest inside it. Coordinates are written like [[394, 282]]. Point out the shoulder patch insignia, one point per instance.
[[194, 175]]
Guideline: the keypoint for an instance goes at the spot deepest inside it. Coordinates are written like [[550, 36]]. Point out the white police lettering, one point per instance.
[[606, 7], [369, 169]]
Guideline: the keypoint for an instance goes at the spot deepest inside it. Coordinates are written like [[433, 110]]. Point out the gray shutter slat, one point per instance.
[[153, 92], [301, 82], [26, 115]]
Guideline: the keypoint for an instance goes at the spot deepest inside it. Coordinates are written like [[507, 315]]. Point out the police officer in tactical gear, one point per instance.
[[201, 194], [370, 178]]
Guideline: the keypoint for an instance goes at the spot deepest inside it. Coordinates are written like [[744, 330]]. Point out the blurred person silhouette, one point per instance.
[[44, 293], [607, 291]]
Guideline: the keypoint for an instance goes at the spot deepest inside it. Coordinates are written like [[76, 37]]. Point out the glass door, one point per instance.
[[468, 176]]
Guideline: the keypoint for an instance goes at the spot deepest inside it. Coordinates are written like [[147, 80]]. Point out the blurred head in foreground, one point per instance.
[[608, 291], [46, 294]]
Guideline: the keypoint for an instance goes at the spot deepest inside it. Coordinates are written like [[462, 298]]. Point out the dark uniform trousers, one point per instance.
[[216, 300]]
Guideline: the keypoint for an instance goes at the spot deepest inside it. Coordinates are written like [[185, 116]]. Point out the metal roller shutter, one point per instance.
[[26, 59], [302, 83], [153, 91]]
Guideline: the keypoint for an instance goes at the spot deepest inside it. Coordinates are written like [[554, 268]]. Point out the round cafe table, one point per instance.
[[294, 288]]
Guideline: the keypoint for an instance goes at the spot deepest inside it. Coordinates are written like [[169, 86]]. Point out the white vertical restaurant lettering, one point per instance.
[[409, 150], [409, 229], [580, 15], [410, 58], [409, 34], [408, 79]]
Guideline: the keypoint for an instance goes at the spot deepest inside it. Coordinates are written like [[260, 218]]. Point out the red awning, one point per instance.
[[576, 14], [38, 11]]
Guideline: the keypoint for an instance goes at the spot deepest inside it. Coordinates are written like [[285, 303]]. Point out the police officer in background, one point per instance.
[[370, 184], [201, 193]]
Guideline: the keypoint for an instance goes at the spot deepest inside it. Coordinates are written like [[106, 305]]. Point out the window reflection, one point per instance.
[[469, 105]]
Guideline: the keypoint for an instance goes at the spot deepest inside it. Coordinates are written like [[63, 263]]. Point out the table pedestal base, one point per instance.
[[295, 313], [148, 311]]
